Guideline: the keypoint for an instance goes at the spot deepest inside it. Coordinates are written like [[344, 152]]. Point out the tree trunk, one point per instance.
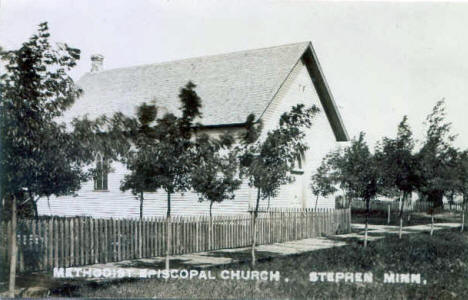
[[432, 222], [316, 202], [436, 197], [402, 204], [388, 214], [13, 247], [168, 231], [463, 218], [411, 202], [254, 228], [2, 211], [34, 205], [367, 221], [141, 205], [451, 199], [36, 212], [210, 230], [463, 213]]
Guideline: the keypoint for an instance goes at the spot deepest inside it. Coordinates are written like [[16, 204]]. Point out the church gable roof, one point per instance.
[[231, 85]]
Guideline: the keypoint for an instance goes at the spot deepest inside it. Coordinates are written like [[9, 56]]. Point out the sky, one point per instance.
[[382, 60]]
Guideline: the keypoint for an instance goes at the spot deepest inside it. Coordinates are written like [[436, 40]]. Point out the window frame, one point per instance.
[[101, 178]]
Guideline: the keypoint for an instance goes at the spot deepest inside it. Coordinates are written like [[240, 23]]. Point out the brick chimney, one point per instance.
[[96, 63]]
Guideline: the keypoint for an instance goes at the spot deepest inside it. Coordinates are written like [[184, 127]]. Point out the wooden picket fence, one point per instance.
[[45, 244]]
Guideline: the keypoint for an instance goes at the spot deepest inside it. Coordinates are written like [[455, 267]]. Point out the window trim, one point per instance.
[[101, 166]]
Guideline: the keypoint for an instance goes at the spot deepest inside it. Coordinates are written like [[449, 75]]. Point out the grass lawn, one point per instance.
[[442, 260]]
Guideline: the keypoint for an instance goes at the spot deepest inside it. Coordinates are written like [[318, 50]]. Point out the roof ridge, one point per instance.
[[193, 58]]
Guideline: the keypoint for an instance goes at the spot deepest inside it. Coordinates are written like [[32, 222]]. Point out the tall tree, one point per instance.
[[398, 165], [215, 175], [432, 156], [38, 156], [267, 163]]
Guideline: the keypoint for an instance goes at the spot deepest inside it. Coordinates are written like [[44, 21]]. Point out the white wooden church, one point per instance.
[[265, 82]]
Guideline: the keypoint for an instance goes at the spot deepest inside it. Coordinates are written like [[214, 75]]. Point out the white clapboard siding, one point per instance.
[[298, 88]]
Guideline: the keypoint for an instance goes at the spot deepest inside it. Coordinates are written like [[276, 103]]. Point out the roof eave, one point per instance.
[[326, 98]]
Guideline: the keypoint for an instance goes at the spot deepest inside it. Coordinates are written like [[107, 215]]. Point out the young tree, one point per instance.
[[214, 177], [38, 157], [432, 163], [462, 187], [267, 163], [139, 161], [174, 159], [323, 181], [456, 177], [163, 157], [398, 165], [355, 169]]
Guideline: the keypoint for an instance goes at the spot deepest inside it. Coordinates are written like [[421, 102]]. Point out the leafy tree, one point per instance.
[[462, 186], [214, 177], [398, 165], [451, 174], [38, 156], [432, 157], [456, 177], [267, 163], [356, 171], [164, 153], [139, 160], [323, 181]]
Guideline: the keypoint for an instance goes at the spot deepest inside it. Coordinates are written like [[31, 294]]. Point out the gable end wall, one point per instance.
[[299, 88]]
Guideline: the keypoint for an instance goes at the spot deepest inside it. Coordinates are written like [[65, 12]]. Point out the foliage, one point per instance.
[[323, 180], [139, 159], [397, 163], [39, 157], [355, 170], [462, 174], [433, 158], [163, 152], [214, 177], [267, 163]]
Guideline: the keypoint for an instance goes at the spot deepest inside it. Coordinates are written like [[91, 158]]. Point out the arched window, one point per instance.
[[298, 168], [102, 171]]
